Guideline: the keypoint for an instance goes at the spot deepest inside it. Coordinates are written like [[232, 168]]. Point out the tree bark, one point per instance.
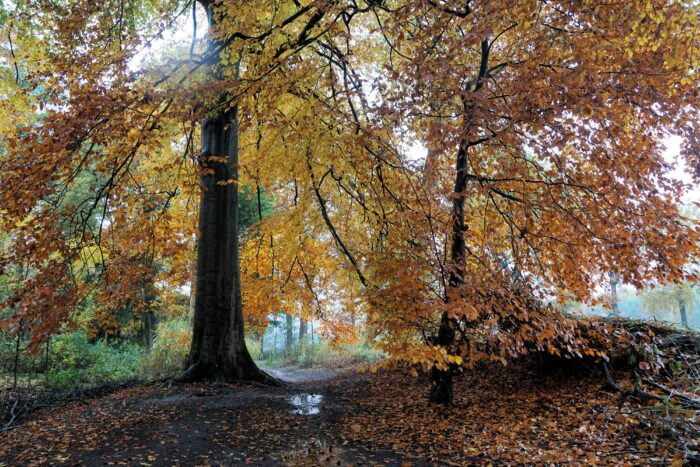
[[192, 305], [218, 352], [441, 380], [147, 320]]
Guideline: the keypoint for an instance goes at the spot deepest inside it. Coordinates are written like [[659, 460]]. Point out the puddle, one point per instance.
[[306, 404]]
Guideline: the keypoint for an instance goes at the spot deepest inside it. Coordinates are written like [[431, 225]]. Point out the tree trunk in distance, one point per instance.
[[148, 329], [192, 304], [614, 280], [289, 333], [274, 342], [262, 344], [302, 330], [684, 314]]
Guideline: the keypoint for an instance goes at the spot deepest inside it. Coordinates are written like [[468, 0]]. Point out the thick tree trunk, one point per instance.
[[218, 352]]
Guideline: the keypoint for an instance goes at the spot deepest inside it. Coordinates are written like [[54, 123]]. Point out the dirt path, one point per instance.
[[501, 416], [205, 425], [305, 375]]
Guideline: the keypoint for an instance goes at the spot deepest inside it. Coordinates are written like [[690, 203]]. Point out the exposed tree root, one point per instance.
[[199, 372]]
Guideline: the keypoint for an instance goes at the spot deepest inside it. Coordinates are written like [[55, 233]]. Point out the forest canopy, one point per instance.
[[444, 178]]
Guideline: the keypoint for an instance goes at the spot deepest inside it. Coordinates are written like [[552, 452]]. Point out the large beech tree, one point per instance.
[[75, 58], [218, 341]]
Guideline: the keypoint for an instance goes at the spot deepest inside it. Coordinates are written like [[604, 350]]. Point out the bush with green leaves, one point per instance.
[[74, 361]]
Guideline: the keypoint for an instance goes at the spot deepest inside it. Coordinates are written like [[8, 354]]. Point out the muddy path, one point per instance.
[[298, 424]]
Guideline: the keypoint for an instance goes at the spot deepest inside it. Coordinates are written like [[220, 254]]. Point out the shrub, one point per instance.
[[75, 361], [168, 355]]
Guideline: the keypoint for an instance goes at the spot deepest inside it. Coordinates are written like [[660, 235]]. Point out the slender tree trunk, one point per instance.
[[442, 386], [302, 330], [15, 371], [684, 315], [218, 351], [614, 280], [147, 324], [192, 304], [274, 342], [47, 361], [289, 336]]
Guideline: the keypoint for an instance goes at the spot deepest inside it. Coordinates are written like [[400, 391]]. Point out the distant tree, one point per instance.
[[289, 333], [670, 300], [614, 282]]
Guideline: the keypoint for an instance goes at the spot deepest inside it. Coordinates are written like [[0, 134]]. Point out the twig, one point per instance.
[[684, 399]]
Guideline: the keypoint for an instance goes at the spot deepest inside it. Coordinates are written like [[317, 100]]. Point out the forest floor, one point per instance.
[[503, 416]]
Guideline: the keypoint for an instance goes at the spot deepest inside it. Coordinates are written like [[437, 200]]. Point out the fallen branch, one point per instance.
[[682, 398], [643, 395]]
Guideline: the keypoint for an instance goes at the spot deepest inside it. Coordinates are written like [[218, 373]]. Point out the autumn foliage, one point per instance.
[[465, 166]]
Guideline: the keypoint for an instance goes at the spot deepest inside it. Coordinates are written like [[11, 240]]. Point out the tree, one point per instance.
[[670, 299], [543, 122], [123, 124], [533, 115], [614, 281], [218, 349], [288, 333]]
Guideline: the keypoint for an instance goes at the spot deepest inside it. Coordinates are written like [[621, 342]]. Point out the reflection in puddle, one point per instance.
[[306, 404]]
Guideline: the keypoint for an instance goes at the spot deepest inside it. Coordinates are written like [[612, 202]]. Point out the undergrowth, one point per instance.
[[307, 355]]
